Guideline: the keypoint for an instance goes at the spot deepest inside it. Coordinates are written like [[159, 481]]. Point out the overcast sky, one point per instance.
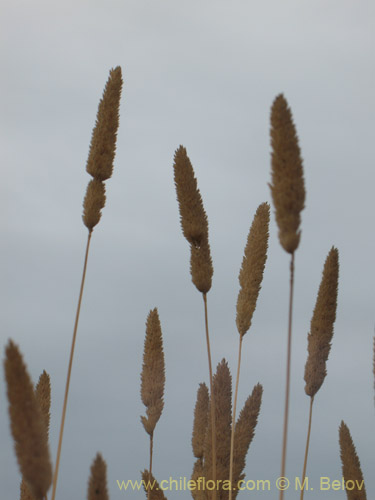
[[202, 74]]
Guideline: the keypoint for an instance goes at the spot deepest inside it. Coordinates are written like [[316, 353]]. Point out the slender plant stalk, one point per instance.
[[234, 420], [287, 385], [56, 472], [307, 447], [150, 470], [213, 423]]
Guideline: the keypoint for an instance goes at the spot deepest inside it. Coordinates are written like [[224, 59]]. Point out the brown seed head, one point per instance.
[[200, 421], [43, 396], [153, 372], [321, 328], [351, 467], [192, 214], [93, 203], [150, 483], [103, 140], [97, 487], [251, 273], [222, 386], [27, 425], [287, 187], [201, 266], [194, 221], [244, 432]]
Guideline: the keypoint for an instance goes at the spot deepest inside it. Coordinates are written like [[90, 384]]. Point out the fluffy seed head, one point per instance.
[[28, 426], [244, 432], [151, 485], [251, 273], [153, 372], [287, 187], [351, 467], [321, 328], [93, 203], [200, 421], [103, 140], [194, 221], [97, 487], [222, 387]]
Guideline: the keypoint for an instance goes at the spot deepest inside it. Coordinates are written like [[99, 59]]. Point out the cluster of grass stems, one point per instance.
[[220, 440]]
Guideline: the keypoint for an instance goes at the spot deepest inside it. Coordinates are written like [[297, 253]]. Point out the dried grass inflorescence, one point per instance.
[[200, 420], [102, 149], [28, 425], [153, 372], [321, 328], [251, 273], [43, 397], [351, 467], [244, 433], [151, 485], [103, 140], [97, 487], [287, 187], [194, 221], [93, 203]]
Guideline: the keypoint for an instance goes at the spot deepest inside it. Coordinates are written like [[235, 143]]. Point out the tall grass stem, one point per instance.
[[287, 385], [307, 447], [56, 472], [234, 420], [213, 423]]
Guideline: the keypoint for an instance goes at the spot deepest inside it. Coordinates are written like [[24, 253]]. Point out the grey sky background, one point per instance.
[[202, 74]]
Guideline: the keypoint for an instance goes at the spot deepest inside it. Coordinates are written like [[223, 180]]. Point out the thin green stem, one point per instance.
[[213, 423], [234, 420], [307, 448], [287, 385], [56, 472]]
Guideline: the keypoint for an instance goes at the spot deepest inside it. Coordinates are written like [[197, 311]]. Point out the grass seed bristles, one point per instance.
[[200, 421], [351, 467], [288, 195], [153, 376], [43, 397], [222, 387], [150, 484], [288, 186], [244, 433], [250, 278], [320, 336], [28, 427], [93, 203], [252, 268], [194, 226], [193, 217], [103, 140], [97, 486], [321, 328], [99, 165]]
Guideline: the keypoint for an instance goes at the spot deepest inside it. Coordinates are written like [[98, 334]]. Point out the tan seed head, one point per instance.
[[321, 328], [103, 140], [287, 186], [28, 426]]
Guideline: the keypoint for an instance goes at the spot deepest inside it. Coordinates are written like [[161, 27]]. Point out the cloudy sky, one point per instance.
[[202, 74]]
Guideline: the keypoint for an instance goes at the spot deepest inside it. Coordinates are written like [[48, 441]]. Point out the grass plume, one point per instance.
[[194, 224], [103, 140], [250, 278], [351, 467], [97, 486], [100, 166], [288, 185], [28, 425], [153, 376]]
